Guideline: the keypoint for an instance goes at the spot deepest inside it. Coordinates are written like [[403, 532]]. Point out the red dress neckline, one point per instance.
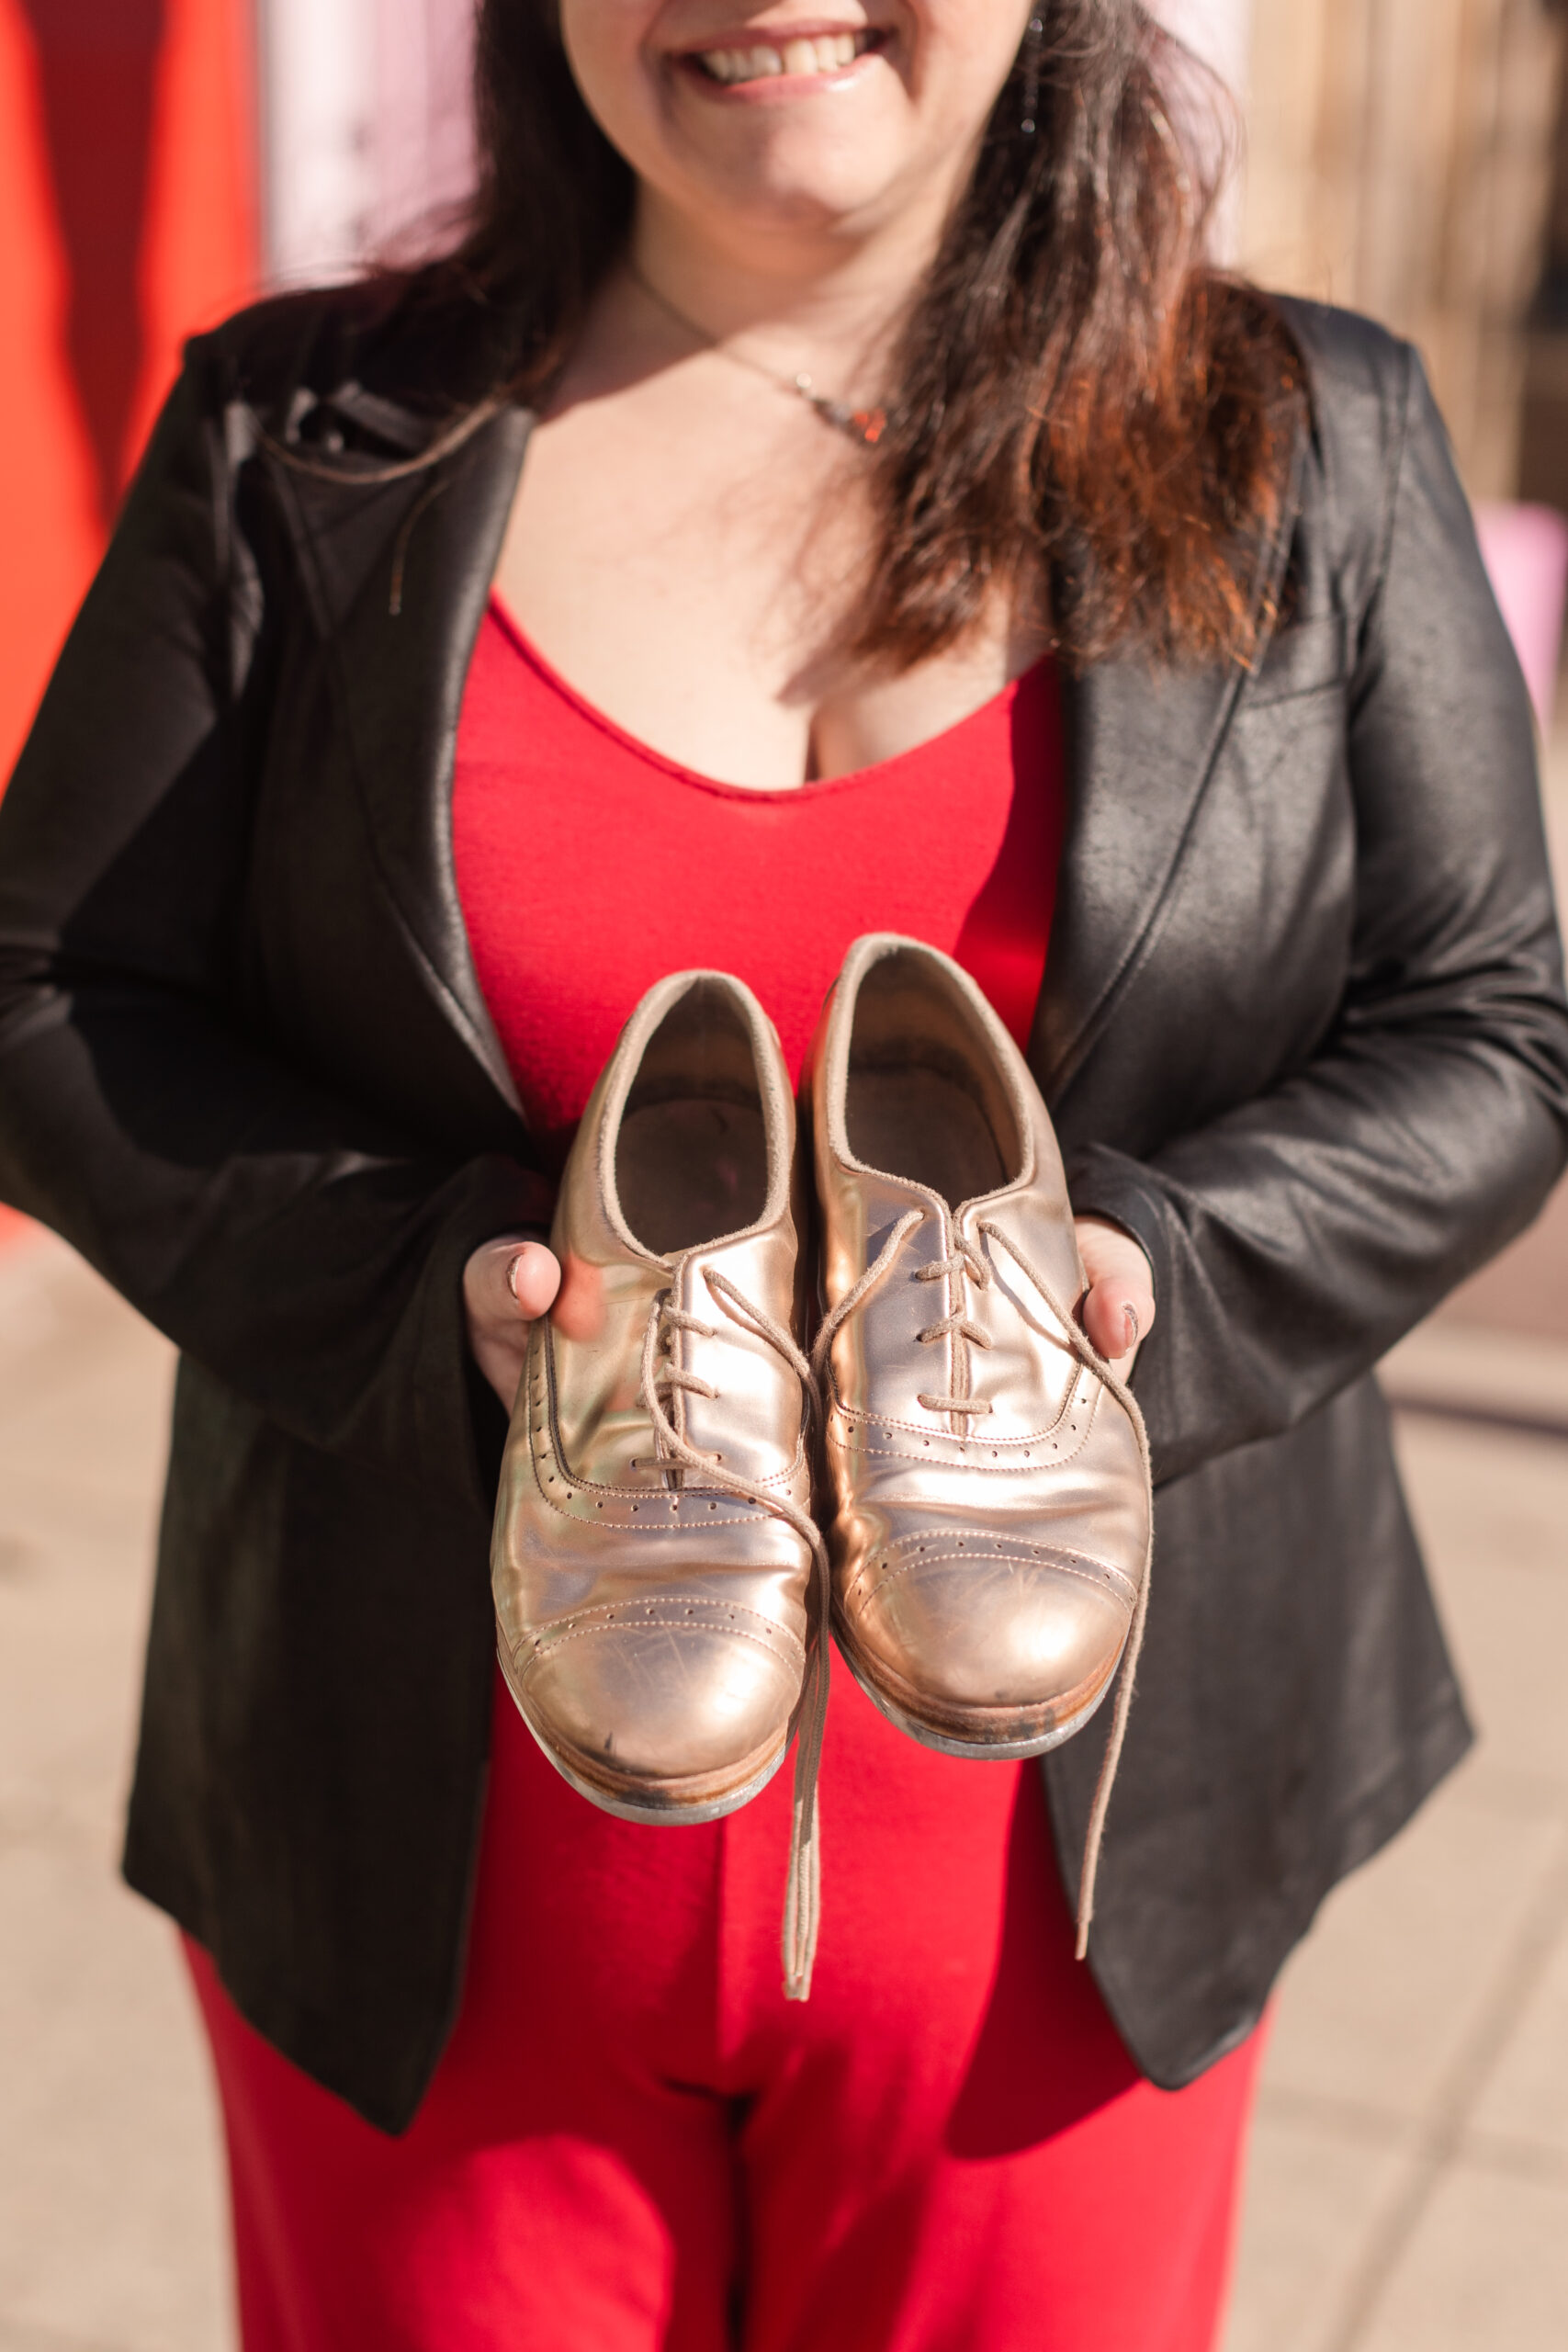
[[653, 758], [589, 866]]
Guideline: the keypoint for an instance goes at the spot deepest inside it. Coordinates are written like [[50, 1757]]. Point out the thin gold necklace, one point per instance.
[[863, 426]]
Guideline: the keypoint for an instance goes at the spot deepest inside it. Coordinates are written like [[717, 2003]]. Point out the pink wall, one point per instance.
[[1526, 549]]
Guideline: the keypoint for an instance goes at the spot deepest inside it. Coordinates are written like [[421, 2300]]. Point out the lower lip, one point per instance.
[[774, 89]]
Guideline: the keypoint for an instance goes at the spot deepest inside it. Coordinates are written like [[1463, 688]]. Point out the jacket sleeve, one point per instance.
[[1296, 1238], [292, 1240]]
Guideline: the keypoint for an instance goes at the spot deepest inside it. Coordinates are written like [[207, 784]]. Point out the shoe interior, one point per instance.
[[692, 1155], [924, 1099]]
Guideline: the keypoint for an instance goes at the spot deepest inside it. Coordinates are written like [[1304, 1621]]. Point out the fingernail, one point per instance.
[[1130, 1326]]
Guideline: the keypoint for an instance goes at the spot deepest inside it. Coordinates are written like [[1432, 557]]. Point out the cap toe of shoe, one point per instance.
[[661, 1710], [973, 1628]]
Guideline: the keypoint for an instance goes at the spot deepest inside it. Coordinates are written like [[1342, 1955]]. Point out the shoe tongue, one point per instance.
[[757, 1263], [888, 1198]]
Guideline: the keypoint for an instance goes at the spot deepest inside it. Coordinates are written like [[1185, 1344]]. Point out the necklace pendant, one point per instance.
[[865, 425]]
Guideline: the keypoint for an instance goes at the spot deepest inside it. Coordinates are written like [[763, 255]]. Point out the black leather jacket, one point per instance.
[[1302, 1031]]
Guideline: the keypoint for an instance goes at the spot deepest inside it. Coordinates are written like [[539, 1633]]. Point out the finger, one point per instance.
[[533, 1278], [1116, 1315], [1112, 1255]]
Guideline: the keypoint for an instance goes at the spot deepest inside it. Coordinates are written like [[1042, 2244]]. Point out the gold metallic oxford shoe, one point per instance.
[[654, 1553], [989, 1482]]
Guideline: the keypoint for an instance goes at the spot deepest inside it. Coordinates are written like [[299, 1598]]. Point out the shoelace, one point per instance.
[[802, 1885], [963, 1260]]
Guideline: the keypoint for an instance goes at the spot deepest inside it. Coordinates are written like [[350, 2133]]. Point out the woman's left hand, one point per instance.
[[1118, 1308]]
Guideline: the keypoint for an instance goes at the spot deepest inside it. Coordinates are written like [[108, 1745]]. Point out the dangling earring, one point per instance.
[[1032, 40]]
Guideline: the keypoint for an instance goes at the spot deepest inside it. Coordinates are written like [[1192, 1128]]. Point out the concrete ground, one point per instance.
[[1409, 2189]]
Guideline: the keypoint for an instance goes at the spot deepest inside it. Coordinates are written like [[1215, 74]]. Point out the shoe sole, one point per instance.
[[983, 1745], [661, 1805]]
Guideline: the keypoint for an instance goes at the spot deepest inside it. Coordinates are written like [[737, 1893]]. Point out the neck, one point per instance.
[[834, 301]]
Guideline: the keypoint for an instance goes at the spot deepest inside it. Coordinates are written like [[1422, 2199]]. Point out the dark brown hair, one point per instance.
[[1077, 396]]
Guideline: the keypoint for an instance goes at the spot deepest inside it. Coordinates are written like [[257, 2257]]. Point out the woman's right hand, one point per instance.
[[506, 1285]]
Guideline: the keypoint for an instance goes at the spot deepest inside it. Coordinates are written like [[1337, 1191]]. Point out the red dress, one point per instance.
[[633, 2143]]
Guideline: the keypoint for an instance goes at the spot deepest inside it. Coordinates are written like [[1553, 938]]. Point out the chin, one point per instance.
[[798, 183]]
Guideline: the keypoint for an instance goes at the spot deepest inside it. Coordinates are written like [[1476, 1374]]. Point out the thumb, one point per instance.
[[533, 1277]]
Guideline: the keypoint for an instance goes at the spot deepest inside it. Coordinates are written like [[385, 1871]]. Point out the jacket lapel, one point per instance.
[[1142, 742], [399, 573]]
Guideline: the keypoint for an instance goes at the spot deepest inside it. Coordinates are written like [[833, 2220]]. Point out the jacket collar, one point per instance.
[[1142, 743]]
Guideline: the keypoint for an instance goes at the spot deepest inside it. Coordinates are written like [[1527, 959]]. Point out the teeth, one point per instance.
[[742, 64], [828, 53]]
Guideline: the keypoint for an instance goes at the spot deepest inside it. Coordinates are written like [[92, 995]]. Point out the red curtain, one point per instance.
[[128, 219]]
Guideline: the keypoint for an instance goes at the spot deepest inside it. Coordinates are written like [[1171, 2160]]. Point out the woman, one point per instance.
[[912, 535]]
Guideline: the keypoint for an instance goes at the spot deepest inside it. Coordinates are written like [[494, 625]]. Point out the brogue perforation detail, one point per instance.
[[1049, 1447], [987, 1552], [717, 1616]]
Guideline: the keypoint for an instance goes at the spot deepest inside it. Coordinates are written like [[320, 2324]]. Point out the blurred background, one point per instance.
[[161, 161]]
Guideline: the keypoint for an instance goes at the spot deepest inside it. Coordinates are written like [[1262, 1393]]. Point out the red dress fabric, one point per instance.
[[633, 2143], [589, 867]]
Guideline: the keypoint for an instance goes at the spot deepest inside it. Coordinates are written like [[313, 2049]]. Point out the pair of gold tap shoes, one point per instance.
[[953, 1479]]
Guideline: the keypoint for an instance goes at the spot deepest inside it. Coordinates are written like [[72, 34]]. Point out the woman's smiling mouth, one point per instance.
[[793, 57]]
